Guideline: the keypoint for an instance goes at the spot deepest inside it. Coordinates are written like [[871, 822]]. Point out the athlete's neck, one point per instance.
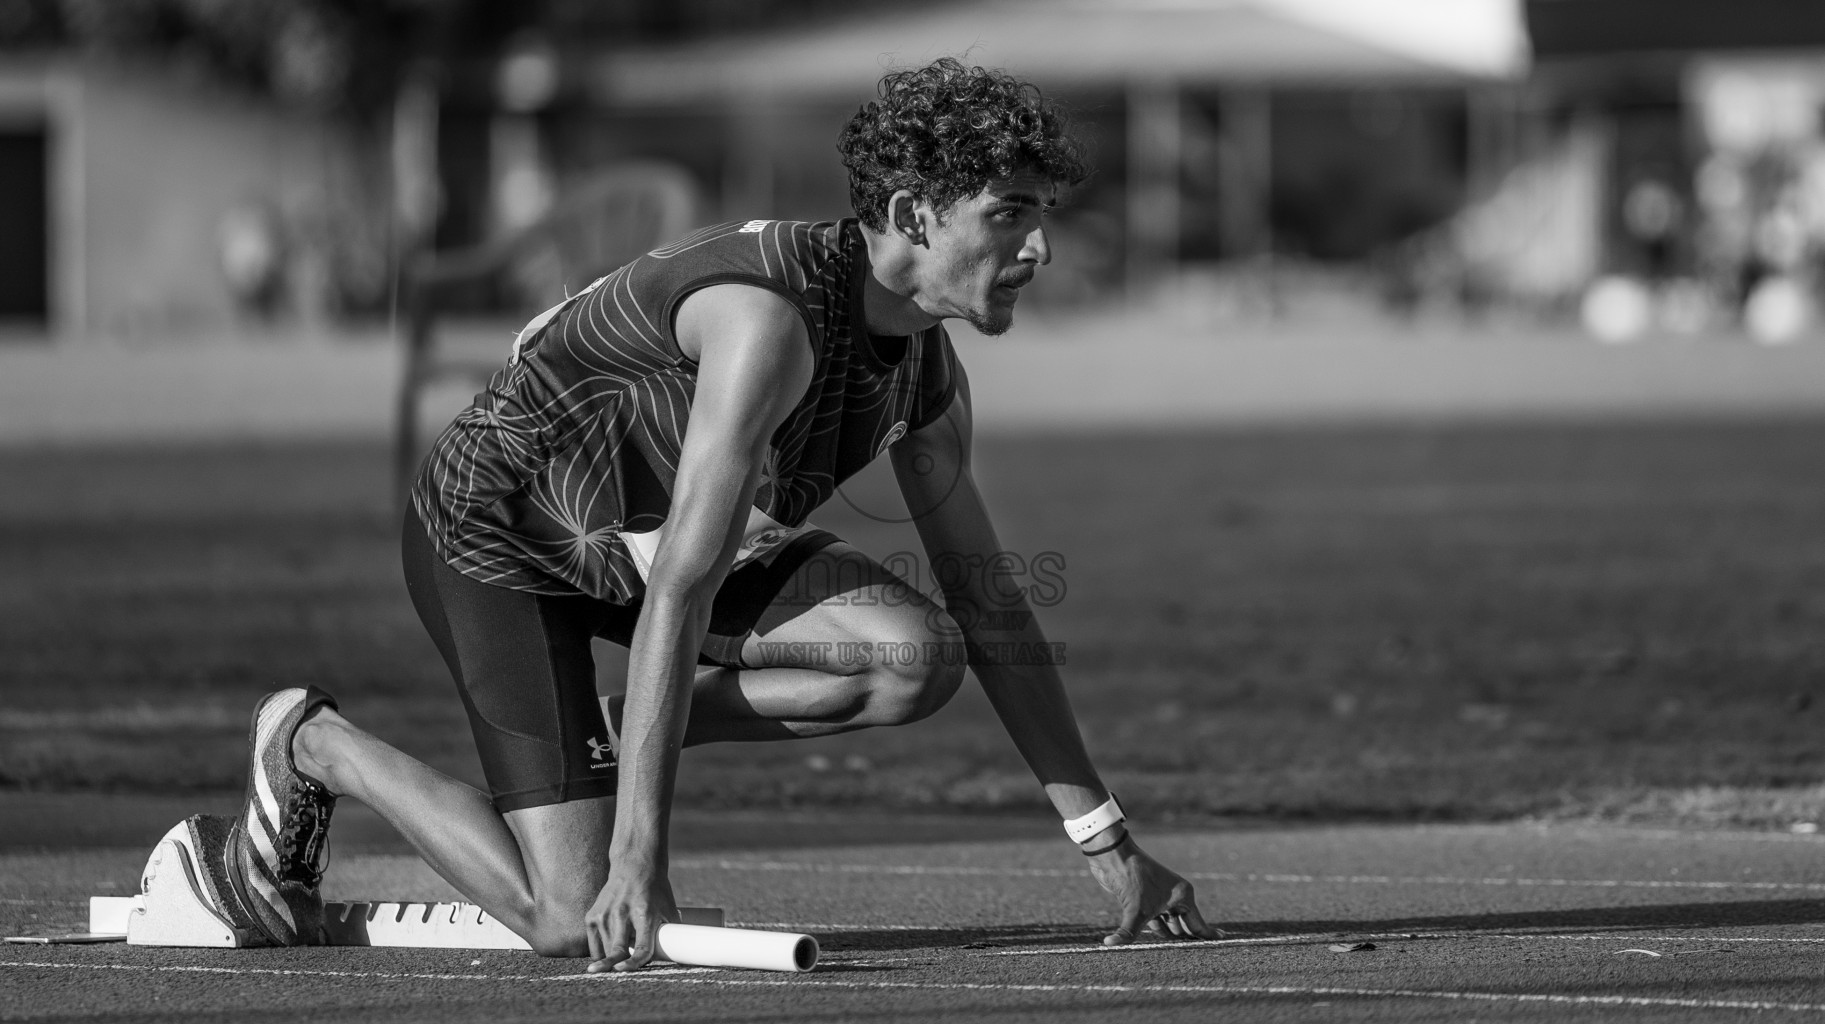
[[888, 291]]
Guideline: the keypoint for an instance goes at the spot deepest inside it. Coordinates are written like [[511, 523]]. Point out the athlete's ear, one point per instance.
[[903, 217]]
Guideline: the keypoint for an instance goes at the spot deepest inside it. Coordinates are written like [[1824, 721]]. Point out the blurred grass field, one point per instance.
[[1425, 621]]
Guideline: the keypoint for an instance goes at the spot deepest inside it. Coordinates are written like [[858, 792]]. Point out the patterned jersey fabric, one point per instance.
[[558, 478]]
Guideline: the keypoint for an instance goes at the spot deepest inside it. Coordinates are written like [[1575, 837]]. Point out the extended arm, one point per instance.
[[1007, 649], [754, 363], [1011, 658]]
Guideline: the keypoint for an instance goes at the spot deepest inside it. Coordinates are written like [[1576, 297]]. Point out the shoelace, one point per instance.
[[304, 841]]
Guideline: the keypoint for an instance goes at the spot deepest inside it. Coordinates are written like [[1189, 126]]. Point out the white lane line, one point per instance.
[[663, 970], [269, 971], [636, 977], [1002, 930], [653, 973], [1606, 832], [1152, 946], [1565, 883], [1224, 876], [1637, 938], [1156, 944], [799, 926], [874, 869]]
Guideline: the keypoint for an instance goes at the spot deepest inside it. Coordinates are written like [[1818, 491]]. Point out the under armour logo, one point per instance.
[[753, 226], [601, 751]]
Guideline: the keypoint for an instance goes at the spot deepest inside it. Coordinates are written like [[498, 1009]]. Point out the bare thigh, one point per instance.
[[845, 613]]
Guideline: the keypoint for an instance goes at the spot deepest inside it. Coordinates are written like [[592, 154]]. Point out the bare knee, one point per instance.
[[564, 858], [569, 944], [551, 921], [555, 928], [937, 685], [914, 680]]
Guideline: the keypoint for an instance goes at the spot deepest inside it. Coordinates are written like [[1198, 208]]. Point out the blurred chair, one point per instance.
[[608, 218]]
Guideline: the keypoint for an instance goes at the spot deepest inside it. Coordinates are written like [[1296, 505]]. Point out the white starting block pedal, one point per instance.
[[182, 886]]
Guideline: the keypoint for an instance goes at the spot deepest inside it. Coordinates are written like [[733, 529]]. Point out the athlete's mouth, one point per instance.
[[1009, 288]]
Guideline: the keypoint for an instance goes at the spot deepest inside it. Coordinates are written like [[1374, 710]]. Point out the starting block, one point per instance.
[[184, 881], [182, 885]]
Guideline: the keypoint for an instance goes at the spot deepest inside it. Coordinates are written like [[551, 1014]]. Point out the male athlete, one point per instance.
[[641, 470]]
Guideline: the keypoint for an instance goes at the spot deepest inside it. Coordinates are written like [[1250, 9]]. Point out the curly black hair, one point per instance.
[[944, 131]]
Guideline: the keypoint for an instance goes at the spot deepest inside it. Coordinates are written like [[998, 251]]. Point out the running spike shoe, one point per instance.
[[279, 846]]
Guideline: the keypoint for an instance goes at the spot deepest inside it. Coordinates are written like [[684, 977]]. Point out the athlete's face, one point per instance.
[[985, 248]]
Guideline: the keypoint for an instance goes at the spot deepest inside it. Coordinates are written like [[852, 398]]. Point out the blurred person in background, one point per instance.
[[1652, 216], [251, 239], [642, 470]]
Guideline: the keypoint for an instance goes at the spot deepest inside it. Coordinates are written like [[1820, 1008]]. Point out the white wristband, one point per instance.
[[1088, 826]]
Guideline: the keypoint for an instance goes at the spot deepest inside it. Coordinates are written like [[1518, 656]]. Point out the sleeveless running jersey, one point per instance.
[[558, 478]]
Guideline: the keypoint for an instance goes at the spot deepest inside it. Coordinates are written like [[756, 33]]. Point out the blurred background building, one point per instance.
[[177, 166], [1704, 120]]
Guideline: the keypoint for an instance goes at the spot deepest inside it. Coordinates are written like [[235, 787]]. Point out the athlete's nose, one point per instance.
[[1038, 249]]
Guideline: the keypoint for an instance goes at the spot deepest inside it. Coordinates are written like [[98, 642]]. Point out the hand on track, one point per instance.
[[623, 925], [1151, 895]]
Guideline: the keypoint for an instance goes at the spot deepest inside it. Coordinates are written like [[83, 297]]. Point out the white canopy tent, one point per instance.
[[1079, 42], [1149, 49]]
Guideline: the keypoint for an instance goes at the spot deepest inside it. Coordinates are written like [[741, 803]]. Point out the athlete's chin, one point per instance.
[[992, 318], [991, 322]]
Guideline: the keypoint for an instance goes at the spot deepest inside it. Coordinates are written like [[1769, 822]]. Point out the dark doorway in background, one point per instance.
[[24, 241]]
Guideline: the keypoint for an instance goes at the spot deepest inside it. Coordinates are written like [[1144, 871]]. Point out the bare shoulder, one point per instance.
[[727, 317]]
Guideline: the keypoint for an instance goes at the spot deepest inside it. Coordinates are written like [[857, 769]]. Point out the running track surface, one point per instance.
[[1468, 922]]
